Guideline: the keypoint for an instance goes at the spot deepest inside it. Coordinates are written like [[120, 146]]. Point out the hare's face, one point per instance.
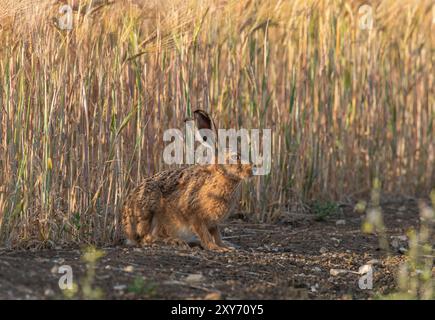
[[236, 168]]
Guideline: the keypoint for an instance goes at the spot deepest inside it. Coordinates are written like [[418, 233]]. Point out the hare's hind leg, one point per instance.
[[215, 232], [140, 211], [144, 234], [162, 230], [207, 239], [129, 225], [137, 225]]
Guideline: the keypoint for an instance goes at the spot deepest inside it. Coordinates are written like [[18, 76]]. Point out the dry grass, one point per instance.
[[82, 113]]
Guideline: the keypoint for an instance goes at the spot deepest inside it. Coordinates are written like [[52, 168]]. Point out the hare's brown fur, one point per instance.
[[175, 204]]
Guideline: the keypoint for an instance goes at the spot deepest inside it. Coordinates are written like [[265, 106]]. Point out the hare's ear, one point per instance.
[[202, 119]]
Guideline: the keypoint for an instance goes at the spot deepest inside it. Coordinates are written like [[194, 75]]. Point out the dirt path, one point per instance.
[[285, 261]]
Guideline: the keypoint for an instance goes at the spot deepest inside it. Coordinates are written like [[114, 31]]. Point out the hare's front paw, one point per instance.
[[230, 245], [217, 248], [176, 242], [227, 249]]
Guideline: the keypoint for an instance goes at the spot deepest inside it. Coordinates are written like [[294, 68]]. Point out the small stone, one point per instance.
[[120, 287], [337, 272], [400, 238], [399, 241], [341, 222], [365, 269], [302, 275], [194, 278], [49, 292], [323, 250], [374, 262], [129, 269], [317, 269], [213, 296], [314, 288]]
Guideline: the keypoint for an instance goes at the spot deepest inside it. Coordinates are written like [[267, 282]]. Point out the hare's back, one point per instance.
[[168, 181]]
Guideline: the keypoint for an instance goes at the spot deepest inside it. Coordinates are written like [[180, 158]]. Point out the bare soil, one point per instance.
[[289, 260]]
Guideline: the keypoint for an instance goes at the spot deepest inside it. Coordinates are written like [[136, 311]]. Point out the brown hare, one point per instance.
[[176, 205]]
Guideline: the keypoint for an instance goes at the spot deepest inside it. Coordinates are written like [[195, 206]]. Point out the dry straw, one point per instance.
[[82, 112]]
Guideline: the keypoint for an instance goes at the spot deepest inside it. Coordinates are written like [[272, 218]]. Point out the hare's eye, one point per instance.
[[235, 157]]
